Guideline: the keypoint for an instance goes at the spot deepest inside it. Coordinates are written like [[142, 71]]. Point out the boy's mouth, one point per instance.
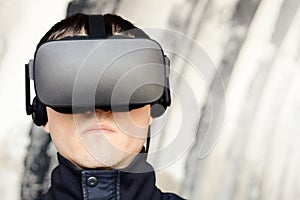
[[100, 127]]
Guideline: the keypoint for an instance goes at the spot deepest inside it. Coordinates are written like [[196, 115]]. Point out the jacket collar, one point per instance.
[[69, 182]]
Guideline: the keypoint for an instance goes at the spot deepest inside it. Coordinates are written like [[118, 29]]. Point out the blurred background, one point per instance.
[[251, 148]]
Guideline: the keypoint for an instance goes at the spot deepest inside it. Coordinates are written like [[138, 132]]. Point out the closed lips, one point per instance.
[[101, 127]]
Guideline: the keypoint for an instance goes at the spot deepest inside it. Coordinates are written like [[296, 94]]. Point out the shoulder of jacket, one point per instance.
[[171, 196]]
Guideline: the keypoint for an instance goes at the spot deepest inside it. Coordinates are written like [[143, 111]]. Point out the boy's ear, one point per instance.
[[46, 128]]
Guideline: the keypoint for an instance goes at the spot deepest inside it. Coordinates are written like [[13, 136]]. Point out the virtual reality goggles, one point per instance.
[[79, 74]]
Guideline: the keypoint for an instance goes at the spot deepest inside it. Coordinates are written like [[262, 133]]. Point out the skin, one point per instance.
[[100, 139]]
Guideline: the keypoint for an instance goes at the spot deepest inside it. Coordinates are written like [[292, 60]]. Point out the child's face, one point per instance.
[[101, 138]]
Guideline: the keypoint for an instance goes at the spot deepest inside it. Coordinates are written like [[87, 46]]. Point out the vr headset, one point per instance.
[[84, 73]]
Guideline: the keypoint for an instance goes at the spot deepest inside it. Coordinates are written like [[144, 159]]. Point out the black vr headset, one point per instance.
[[80, 74]]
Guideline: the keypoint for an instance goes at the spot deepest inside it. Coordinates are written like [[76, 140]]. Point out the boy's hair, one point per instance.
[[78, 25]]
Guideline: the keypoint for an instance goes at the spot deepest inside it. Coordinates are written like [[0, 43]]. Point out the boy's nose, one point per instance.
[[100, 112], [97, 112]]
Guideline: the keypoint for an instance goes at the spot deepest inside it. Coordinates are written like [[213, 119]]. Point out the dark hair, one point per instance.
[[78, 25]]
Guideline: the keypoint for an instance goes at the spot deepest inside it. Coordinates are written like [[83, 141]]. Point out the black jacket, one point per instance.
[[68, 182]]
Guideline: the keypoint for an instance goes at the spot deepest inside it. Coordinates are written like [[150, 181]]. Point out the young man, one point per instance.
[[99, 143]]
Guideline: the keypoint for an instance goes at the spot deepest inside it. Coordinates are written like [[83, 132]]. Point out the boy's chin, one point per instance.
[[115, 160]]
